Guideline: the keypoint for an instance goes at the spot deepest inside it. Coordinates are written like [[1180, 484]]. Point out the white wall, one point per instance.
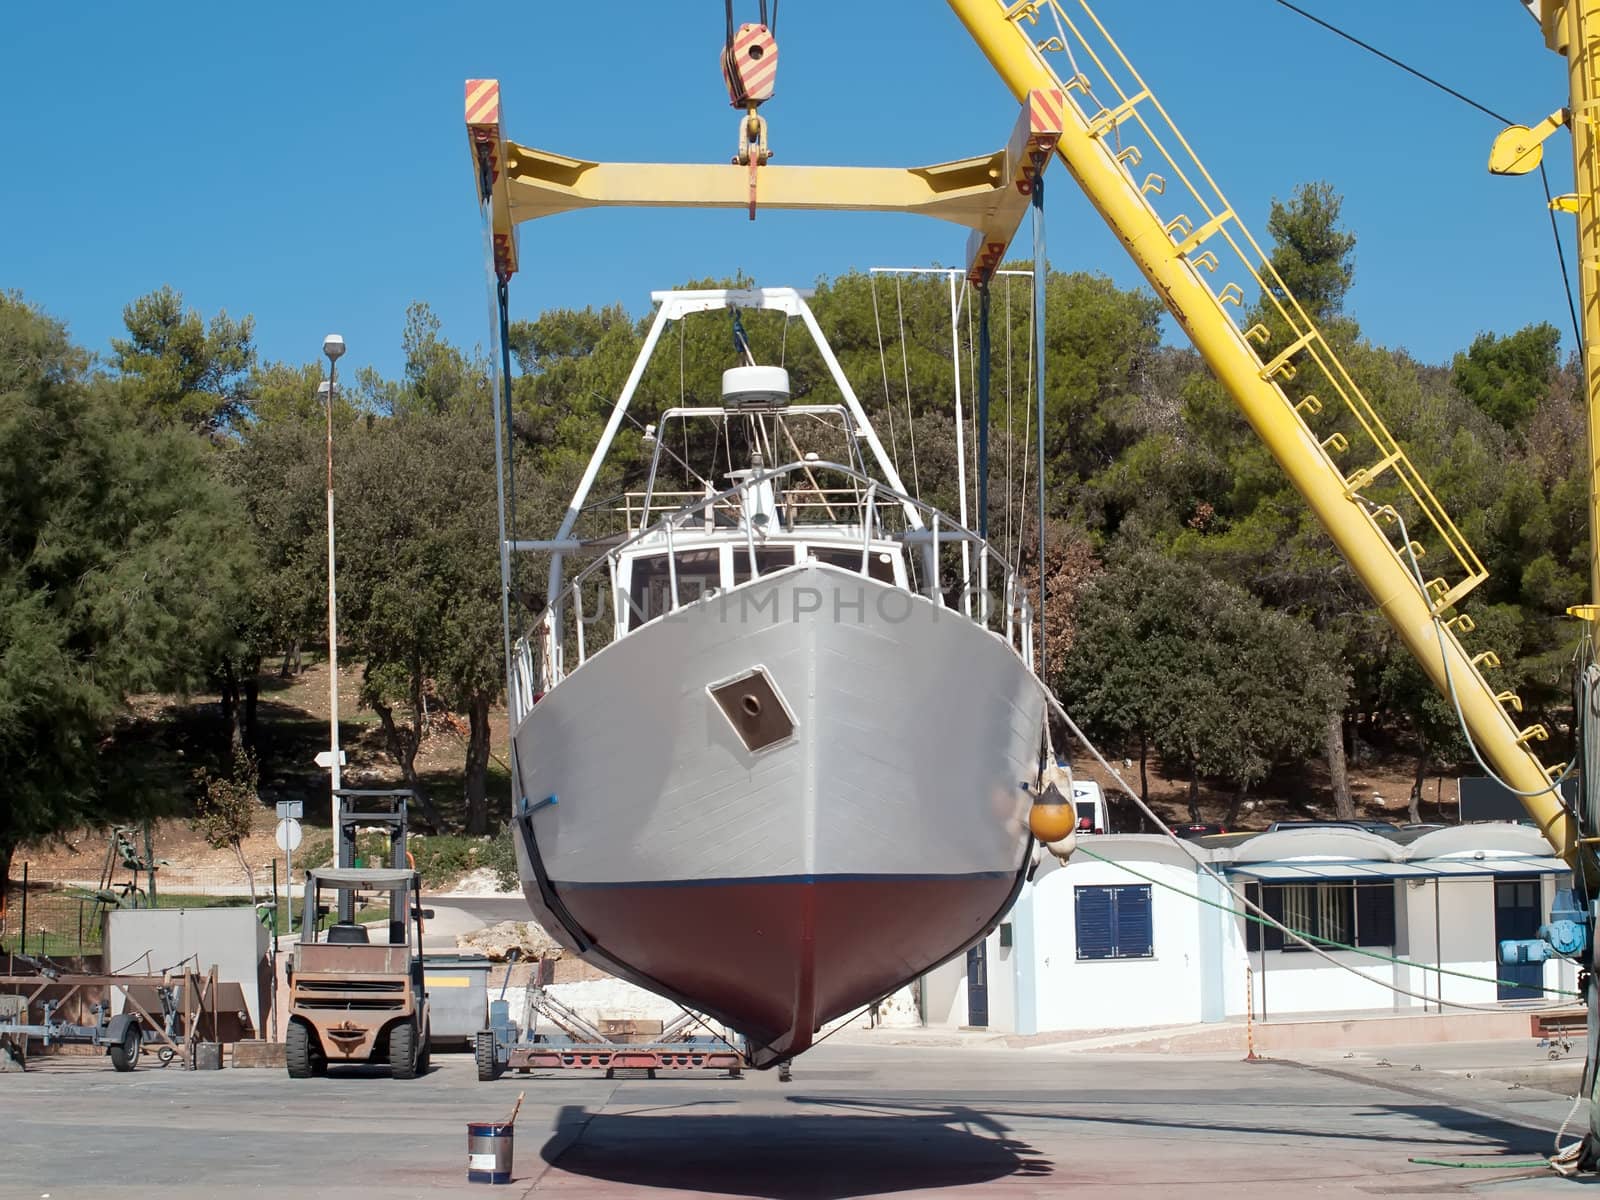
[[1167, 989], [1199, 970], [1465, 942], [945, 989]]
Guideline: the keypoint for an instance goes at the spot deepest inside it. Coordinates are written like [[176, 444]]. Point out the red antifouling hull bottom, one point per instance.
[[776, 958]]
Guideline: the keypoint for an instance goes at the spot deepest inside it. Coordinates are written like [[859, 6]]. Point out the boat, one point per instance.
[[775, 742]]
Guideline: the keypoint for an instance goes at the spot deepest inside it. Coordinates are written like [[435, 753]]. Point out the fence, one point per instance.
[[52, 909]]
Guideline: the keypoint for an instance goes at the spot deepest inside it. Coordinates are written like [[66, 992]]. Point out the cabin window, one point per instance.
[[1349, 912], [650, 589], [1114, 922], [768, 559], [880, 563]]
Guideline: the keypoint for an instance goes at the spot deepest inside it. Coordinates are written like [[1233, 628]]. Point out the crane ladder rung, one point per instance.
[[1359, 479], [1192, 242], [1107, 119], [1282, 360]]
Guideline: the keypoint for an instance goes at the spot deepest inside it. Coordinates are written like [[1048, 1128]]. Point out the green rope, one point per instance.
[[1480, 1166], [1327, 942]]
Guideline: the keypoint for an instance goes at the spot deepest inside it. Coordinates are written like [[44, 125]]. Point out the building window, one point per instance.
[[1113, 922], [1347, 912]]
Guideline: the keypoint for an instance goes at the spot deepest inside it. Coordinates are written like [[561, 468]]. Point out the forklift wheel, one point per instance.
[[403, 1051], [125, 1054], [299, 1056], [487, 1056]]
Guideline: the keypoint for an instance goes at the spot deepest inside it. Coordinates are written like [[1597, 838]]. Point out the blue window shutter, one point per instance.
[[1135, 933], [1093, 918]]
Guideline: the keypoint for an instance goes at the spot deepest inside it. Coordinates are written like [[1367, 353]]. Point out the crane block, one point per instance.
[[1033, 138], [750, 66], [488, 154]]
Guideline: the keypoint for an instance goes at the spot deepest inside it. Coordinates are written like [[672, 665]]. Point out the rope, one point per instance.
[[982, 415], [1027, 447], [883, 364], [1574, 1150], [1008, 557], [1449, 678], [905, 368], [972, 390], [1328, 942], [1481, 1166], [1200, 861], [1041, 274]]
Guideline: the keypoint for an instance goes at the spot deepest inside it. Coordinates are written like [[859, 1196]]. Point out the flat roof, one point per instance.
[[1426, 868]]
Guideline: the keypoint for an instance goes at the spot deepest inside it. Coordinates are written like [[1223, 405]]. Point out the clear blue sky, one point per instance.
[[306, 163]]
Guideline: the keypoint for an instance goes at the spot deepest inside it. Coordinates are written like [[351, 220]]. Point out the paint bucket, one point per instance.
[[489, 1152]]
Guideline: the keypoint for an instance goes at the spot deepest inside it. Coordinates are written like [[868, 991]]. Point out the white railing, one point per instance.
[[991, 596]]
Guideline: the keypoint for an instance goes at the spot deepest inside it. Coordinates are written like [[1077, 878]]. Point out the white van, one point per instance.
[[1090, 805]]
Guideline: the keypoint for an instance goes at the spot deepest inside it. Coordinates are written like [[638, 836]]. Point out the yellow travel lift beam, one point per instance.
[[988, 194]]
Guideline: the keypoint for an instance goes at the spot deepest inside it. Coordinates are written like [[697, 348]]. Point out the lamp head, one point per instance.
[[333, 346]]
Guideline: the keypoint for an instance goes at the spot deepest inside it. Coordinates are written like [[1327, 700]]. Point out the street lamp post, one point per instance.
[[333, 347]]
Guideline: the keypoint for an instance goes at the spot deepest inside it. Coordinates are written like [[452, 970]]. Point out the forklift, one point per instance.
[[356, 992]]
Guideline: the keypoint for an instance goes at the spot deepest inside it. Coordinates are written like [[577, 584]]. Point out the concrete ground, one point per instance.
[[860, 1118]]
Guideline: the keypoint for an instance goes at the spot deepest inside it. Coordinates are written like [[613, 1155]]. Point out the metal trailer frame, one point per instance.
[[176, 1034], [505, 1046]]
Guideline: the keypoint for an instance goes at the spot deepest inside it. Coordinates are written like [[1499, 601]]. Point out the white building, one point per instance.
[[1131, 933]]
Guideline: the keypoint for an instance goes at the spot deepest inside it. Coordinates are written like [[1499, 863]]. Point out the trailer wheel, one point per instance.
[[487, 1056], [297, 1051], [403, 1050], [125, 1054]]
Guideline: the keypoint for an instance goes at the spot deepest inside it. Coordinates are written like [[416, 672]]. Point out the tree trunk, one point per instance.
[[477, 789], [244, 865], [1194, 792], [402, 745], [1415, 814], [232, 717], [6, 852], [1235, 804], [291, 660], [1144, 767], [1144, 776], [252, 694], [1344, 808]]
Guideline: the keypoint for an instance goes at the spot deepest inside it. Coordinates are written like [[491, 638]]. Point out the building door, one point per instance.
[[978, 986], [1517, 914]]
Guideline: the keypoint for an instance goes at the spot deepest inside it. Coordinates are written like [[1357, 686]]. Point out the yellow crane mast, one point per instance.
[[1128, 157]]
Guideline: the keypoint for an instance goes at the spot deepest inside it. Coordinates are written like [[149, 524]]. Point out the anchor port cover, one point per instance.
[[754, 707]]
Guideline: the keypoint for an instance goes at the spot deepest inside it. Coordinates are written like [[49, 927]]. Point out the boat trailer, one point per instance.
[[172, 1029], [580, 1046]]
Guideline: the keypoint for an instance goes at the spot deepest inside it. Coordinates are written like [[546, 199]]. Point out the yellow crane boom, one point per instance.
[[1190, 245]]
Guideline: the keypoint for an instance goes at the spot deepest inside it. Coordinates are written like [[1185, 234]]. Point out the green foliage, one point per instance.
[[225, 812], [177, 370], [137, 556], [117, 575], [1170, 656], [1507, 376], [1311, 253]]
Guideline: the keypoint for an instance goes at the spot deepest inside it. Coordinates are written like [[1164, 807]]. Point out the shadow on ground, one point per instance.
[[791, 1157]]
